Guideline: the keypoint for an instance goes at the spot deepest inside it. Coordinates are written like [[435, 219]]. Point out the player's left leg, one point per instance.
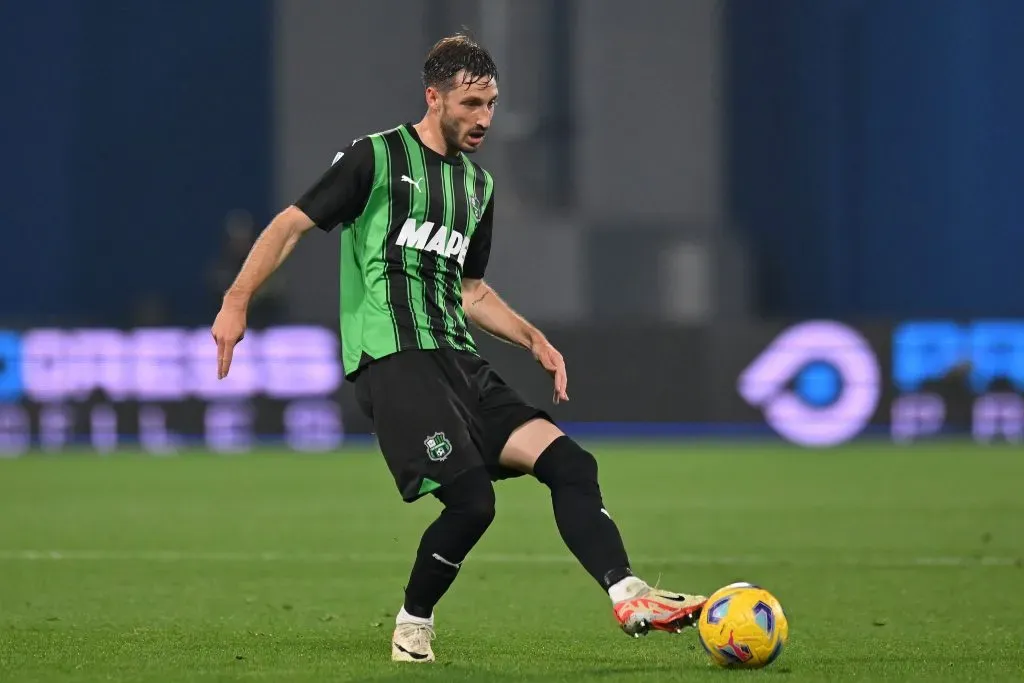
[[540, 448]]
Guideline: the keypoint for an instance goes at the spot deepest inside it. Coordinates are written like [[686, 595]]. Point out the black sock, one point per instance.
[[468, 511], [584, 524]]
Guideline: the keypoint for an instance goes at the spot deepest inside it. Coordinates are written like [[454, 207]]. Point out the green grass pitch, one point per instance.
[[892, 563]]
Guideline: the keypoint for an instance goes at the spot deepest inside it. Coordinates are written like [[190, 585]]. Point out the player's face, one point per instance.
[[466, 113]]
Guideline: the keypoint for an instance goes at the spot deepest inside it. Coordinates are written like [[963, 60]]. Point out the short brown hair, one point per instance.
[[453, 54]]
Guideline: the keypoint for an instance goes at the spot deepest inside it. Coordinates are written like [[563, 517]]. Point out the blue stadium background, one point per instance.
[[681, 182]]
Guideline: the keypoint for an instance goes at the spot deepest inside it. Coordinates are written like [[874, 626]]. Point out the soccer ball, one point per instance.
[[743, 626]]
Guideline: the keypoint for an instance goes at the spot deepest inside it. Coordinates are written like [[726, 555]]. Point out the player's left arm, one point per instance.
[[489, 312]]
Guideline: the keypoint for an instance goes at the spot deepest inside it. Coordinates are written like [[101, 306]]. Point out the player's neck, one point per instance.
[[431, 137]]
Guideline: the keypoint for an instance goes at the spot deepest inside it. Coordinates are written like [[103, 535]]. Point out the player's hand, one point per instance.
[[228, 330], [552, 361]]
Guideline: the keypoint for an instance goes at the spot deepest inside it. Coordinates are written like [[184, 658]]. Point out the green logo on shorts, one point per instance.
[[438, 447]]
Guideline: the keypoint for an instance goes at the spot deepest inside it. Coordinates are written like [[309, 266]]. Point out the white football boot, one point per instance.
[[411, 643], [652, 609]]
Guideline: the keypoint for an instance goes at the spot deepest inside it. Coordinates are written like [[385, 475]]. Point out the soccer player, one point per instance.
[[416, 215]]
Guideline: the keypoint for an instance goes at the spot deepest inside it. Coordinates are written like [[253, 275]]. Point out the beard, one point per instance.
[[450, 132]]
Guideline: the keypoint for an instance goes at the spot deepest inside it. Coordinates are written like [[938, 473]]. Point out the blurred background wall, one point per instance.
[[679, 180], [130, 130]]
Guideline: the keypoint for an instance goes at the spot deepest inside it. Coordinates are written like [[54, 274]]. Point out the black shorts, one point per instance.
[[439, 413]]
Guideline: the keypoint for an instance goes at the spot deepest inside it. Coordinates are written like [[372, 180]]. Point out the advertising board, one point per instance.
[[157, 388], [823, 383]]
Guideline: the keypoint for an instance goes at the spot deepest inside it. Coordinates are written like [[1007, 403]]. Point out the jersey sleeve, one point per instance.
[[480, 245], [340, 194]]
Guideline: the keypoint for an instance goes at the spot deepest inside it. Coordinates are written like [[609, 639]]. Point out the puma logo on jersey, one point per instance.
[[414, 183], [443, 241]]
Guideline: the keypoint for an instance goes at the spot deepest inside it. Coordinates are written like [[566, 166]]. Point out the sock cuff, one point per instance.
[[404, 617], [625, 589]]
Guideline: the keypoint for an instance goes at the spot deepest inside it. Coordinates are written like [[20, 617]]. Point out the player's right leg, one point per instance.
[[417, 415]]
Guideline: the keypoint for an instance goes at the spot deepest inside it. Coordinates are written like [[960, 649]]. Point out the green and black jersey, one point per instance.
[[415, 223]]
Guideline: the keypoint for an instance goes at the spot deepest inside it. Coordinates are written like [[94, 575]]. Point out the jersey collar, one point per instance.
[[454, 160]]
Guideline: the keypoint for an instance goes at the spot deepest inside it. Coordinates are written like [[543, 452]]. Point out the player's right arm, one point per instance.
[[337, 198]]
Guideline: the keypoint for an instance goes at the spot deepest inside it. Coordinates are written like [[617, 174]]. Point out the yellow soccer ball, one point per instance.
[[743, 626]]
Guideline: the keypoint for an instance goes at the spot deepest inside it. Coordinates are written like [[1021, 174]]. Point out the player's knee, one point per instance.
[[478, 510], [479, 515], [471, 497], [566, 463]]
